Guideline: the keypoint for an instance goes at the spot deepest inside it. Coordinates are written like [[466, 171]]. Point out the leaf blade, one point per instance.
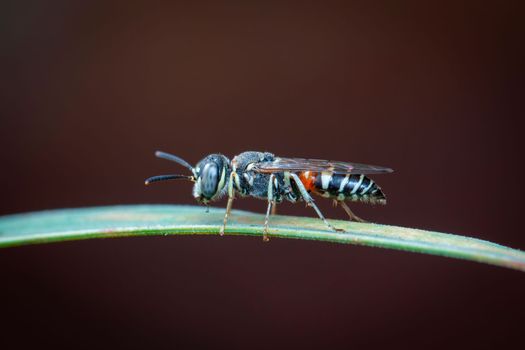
[[139, 220]]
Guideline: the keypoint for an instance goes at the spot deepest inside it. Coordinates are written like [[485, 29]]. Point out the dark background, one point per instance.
[[91, 89]]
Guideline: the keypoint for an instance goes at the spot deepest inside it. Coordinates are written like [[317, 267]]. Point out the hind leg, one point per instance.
[[310, 202], [351, 215]]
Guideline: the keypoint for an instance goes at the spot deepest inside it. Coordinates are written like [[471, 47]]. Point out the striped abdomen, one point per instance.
[[342, 187]]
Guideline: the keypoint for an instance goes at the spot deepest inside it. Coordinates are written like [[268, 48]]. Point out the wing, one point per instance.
[[317, 165]]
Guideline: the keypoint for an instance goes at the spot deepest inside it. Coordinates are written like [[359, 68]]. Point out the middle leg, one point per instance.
[[271, 204]]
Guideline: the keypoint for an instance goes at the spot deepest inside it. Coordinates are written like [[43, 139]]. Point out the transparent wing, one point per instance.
[[317, 165]]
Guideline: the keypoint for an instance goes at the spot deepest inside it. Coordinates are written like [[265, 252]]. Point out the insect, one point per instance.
[[265, 176]]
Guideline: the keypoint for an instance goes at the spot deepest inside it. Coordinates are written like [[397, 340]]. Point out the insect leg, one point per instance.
[[231, 197], [274, 205], [310, 201], [274, 209], [270, 204], [352, 216]]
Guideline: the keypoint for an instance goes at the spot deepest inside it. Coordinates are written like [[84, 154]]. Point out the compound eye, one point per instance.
[[209, 180]]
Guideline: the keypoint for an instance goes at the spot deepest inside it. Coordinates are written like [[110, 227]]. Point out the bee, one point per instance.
[[265, 176]]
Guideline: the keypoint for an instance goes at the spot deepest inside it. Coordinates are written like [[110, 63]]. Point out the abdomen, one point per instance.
[[355, 187]]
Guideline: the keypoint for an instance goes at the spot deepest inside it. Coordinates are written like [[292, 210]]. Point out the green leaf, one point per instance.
[[141, 220]]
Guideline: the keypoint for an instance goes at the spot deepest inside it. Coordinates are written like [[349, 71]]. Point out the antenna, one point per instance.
[[167, 177], [175, 159]]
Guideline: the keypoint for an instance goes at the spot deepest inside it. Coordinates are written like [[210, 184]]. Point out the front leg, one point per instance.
[[231, 197]]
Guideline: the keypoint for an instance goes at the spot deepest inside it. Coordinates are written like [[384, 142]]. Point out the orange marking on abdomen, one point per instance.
[[308, 179]]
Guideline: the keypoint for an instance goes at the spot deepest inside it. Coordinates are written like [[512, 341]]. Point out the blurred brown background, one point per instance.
[[91, 89]]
